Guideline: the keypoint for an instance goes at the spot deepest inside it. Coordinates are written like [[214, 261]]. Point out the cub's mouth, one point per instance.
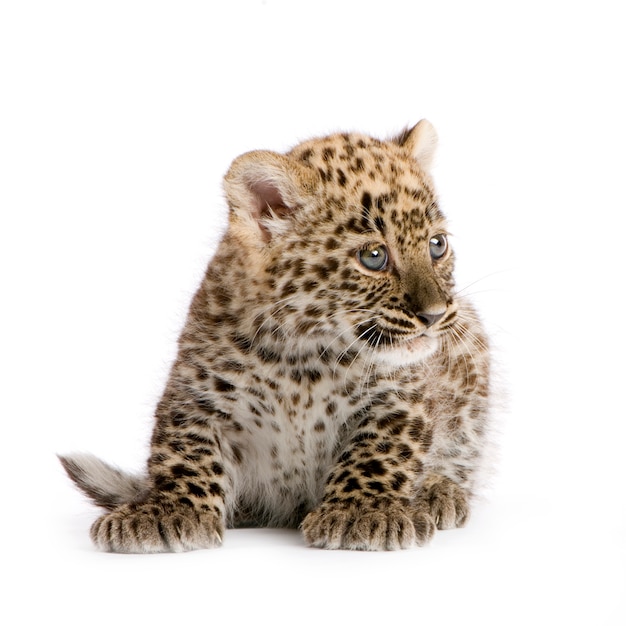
[[398, 348]]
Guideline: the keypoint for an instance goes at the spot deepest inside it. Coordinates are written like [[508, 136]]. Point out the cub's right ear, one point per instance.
[[265, 190]]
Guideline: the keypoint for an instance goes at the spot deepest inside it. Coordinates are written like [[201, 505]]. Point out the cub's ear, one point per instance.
[[265, 189], [421, 141]]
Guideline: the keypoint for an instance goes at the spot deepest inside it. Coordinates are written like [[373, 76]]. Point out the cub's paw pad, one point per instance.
[[156, 527], [354, 528], [447, 502]]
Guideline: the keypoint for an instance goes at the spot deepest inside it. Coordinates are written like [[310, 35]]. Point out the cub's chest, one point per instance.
[[293, 413], [303, 402]]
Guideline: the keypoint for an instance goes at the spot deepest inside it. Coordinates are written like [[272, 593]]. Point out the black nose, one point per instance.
[[428, 319]]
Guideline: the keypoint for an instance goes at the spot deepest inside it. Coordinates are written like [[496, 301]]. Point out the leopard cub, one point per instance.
[[328, 376]]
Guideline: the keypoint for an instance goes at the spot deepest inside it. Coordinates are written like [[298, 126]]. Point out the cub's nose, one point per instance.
[[428, 319]]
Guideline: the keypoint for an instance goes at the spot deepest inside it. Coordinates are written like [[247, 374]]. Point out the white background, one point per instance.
[[117, 122]]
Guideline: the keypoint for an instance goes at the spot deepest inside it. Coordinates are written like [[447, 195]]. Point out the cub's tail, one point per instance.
[[106, 485]]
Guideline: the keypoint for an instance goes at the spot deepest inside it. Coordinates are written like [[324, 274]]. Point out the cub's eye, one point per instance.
[[438, 246], [374, 259]]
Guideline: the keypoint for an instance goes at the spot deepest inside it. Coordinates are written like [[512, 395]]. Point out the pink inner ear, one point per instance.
[[268, 197]]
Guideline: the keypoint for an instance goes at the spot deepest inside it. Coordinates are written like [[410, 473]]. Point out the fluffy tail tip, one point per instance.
[[105, 485]]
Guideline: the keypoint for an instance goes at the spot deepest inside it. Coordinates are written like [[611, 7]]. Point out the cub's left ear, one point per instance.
[[421, 141]]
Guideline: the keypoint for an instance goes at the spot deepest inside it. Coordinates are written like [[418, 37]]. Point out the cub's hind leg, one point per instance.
[[184, 507]]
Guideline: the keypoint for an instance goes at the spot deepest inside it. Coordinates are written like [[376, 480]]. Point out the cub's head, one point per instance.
[[353, 247]]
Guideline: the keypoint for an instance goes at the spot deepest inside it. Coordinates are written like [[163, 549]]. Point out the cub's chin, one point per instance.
[[408, 352]]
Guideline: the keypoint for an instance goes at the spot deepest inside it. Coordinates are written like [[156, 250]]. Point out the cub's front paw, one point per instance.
[[447, 502], [348, 527], [156, 527]]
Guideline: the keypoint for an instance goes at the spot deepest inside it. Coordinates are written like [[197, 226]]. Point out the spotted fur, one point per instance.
[[309, 389]]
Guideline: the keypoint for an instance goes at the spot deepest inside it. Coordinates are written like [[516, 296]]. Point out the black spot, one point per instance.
[[306, 155], [178, 418], [352, 485], [379, 222], [345, 457], [296, 376], [313, 375], [341, 477], [201, 372], [268, 356], [183, 470], [416, 429], [375, 485], [322, 271], [222, 295], [177, 446], [427, 439], [158, 458], [163, 483], [404, 452], [313, 311], [359, 226], [384, 447], [223, 386], [398, 480], [346, 285], [392, 419], [341, 178], [205, 404], [196, 490], [185, 501], [366, 436], [195, 438], [216, 490], [233, 366], [372, 468], [242, 342], [217, 469], [236, 450]]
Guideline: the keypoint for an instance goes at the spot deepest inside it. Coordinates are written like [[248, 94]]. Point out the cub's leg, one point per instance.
[[455, 462], [184, 508], [368, 502]]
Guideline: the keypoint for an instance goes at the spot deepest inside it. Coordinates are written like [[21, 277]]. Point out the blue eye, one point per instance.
[[374, 259], [438, 247]]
